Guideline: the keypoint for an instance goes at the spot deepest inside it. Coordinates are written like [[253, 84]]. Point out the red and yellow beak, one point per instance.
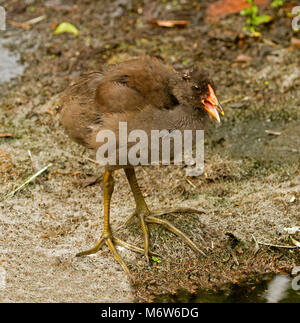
[[212, 104]]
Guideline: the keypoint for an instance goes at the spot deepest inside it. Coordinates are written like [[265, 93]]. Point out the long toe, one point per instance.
[[152, 218], [168, 225], [109, 241]]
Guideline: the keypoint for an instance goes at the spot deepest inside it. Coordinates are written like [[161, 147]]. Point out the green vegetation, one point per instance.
[[253, 18], [66, 27], [156, 259], [277, 3]]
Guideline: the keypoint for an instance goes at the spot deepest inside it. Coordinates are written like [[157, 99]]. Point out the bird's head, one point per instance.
[[203, 93]]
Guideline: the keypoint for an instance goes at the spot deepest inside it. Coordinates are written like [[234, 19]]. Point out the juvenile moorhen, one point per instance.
[[148, 95]]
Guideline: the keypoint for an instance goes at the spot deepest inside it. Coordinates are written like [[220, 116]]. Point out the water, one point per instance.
[[9, 66], [262, 289]]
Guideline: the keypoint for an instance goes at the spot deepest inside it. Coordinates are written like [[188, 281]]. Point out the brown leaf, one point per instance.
[[5, 135], [223, 8], [243, 59], [19, 24], [170, 23], [295, 42]]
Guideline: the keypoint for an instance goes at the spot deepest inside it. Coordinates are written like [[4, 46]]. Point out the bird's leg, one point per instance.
[[146, 216], [108, 188], [141, 207]]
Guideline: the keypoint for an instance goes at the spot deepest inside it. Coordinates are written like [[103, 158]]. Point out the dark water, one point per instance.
[[9, 66], [263, 289]]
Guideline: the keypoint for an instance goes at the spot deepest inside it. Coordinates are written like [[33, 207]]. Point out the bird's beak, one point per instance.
[[212, 104]]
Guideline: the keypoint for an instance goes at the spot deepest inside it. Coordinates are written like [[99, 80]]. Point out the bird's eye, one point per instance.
[[196, 87]]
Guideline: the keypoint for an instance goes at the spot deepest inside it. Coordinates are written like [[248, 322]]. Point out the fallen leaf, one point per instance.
[[170, 23], [19, 24], [295, 42], [5, 135], [243, 59], [223, 8], [66, 27], [274, 133]]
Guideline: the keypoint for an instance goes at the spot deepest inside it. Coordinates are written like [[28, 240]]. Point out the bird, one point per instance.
[[147, 94]]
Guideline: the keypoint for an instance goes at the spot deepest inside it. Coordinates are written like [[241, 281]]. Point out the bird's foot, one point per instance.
[[111, 241], [146, 217]]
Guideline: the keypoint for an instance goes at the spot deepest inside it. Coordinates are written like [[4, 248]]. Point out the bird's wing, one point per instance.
[[77, 106], [83, 91], [135, 84]]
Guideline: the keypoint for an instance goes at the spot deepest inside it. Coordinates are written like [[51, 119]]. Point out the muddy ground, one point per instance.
[[250, 186]]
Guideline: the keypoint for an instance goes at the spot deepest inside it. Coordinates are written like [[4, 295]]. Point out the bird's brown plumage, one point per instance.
[[144, 92], [148, 95]]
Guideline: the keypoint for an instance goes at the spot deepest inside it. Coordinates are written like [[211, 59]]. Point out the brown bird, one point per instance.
[[148, 95]]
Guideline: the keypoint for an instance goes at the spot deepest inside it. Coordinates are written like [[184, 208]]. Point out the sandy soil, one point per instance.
[[251, 183]]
